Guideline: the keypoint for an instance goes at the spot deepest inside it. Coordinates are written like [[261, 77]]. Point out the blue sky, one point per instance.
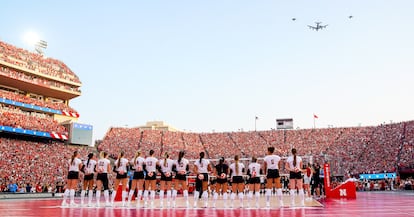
[[215, 65]]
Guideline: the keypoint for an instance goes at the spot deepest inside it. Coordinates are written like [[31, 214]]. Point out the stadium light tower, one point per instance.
[[40, 46], [32, 39]]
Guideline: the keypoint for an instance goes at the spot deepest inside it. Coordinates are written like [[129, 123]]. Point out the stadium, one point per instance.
[[38, 136], [73, 142]]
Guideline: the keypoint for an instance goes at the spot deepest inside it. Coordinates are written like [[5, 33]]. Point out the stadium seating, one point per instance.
[[36, 62], [34, 166], [406, 157], [350, 151], [14, 117], [24, 99], [12, 73], [35, 163]]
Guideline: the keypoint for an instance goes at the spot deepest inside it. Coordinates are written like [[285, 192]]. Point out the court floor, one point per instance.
[[366, 204]]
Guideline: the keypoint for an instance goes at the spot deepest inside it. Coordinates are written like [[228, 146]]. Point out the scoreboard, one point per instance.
[[284, 124], [80, 134]]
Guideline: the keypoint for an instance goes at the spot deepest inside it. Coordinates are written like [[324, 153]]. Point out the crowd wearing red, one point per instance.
[[38, 63], [351, 151]]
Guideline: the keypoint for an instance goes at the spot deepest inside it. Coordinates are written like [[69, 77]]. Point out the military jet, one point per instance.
[[318, 26]]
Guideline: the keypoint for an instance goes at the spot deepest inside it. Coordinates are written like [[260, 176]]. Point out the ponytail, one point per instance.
[[294, 156], [103, 154], [137, 154], [119, 159], [165, 159], [180, 156], [90, 155], [75, 153], [201, 156], [236, 159]]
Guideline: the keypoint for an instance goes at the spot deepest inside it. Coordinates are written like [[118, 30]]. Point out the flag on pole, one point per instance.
[[315, 116]]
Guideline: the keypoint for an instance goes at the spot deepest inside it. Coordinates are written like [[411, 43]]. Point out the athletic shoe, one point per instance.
[[64, 203], [187, 204]]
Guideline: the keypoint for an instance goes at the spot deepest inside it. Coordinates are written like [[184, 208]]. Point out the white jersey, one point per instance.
[[203, 166], [89, 168], [233, 169], [74, 166], [103, 165], [138, 164], [151, 164], [290, 162], [254, 168], [182, 166], [166, 167], [122, 166], [272, 161]]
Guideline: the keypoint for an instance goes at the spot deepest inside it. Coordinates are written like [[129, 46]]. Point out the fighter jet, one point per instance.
[[318, 26]]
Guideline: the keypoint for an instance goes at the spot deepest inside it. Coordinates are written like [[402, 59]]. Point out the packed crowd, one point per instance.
[[407, 150], [350, 151], [388, 139], [42, 103], [130, 139], [193, 145], [252, 144], [121, 139], [386, 184], [347, 150], [17, 118], [35, 164], [216, 144], [171, 142], [30, 78], [36, 62]]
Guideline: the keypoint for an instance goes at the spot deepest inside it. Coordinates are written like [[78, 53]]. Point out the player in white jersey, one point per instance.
[[181, 168], [237, 186], [75, 164], [121, 168], [103, 168], [254, 170], [294, 165], [272, 163], [137, 164], [150, 168], [201, 169], [88, 168], [165, 166]]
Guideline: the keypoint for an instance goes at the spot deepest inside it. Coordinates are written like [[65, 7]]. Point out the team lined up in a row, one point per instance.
[[145, 170]]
